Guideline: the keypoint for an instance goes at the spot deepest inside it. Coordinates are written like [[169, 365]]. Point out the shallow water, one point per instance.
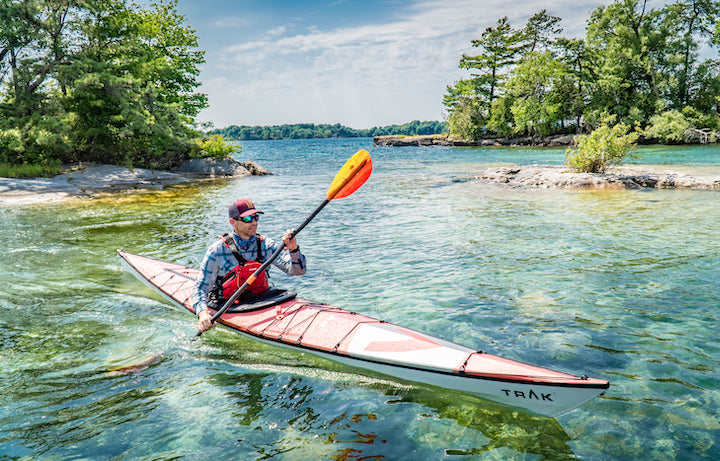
[[619, 285]]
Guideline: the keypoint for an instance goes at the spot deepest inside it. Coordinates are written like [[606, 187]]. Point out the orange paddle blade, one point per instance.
[[352, 175]]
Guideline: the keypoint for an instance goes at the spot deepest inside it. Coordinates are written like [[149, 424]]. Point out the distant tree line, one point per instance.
[[636, 65], [311, 130]]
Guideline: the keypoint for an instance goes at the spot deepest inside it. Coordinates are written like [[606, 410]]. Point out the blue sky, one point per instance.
[[361, 63]]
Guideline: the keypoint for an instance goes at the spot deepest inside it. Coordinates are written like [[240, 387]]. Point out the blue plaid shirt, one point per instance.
[[219, 260]]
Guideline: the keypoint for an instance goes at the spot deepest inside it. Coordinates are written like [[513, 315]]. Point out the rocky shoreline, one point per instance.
[[445, 140], [561, 177], [90, 181], [618, 177], [96, 180]]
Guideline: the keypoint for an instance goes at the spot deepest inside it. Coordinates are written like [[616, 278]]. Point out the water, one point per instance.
[[620, 285]]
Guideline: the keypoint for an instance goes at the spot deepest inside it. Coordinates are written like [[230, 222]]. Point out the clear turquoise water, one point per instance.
[[620, 285]]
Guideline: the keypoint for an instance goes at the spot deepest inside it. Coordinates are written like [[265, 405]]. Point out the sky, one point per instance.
[[360, 63]]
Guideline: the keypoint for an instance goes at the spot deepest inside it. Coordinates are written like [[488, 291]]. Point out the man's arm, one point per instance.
[[201, 289], [292, 262]]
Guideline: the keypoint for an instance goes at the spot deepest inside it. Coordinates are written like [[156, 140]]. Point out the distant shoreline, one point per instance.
[[445, 140], [559, 140]]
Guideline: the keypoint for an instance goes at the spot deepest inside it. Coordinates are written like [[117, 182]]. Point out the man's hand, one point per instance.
[[204, 321], [290, 243]]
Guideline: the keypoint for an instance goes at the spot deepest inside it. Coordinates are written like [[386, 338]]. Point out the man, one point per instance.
[[219, 260]]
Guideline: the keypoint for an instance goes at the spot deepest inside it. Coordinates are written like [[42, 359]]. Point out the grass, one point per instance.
[[28, 171]]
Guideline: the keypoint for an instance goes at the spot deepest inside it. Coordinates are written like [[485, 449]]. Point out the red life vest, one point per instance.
[[228, 284]]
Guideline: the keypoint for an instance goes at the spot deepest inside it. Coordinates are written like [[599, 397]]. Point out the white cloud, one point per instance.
[[277, 31], [361, 76]]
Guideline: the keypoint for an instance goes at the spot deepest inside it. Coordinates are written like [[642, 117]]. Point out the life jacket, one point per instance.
[[228, 284]]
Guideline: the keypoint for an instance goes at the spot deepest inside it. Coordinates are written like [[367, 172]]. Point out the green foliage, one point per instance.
[[474, 98], [98, 80], [540, 32], [11, 145], [628, 44], [501, 121], [28, 170], [702, 120], [635, 62], [686, 21], [214, 146], [535, 91], [607, 145], [310, 130], [465, 121], [668, 127], [36, 138]]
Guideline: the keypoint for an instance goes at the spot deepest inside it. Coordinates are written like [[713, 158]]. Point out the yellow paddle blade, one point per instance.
[[352, 175]]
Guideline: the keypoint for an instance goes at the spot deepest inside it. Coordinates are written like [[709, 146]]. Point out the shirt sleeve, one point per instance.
[[206, 277], [292, 263]]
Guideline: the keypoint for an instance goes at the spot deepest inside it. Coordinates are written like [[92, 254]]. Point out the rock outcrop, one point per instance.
[[620, 177], [219, 167], [92, 180]]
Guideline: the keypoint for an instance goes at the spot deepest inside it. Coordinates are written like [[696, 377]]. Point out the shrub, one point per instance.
[[668, 127], [607, 145], [465, 121], [29, 170], [214, 146], [11, 145]]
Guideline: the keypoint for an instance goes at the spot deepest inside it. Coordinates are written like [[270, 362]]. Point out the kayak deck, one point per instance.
[[365, 342]]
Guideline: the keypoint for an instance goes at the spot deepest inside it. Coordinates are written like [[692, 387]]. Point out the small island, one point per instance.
[[618, 177], [562, 176]]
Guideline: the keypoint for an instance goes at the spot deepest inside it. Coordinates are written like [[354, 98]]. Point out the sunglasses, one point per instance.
[[248, 219]]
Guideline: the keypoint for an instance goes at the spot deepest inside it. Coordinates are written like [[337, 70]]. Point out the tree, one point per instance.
[[634, 63], [535, 88], [500, 47], [578, 61], [465, 122], [34, 38], [136, 90], [541, 31], [704, 94], [99, 80], [536, 92], [629, 42], [688, 21]]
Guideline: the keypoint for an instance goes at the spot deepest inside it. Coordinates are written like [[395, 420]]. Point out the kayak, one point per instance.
[[363, 342]]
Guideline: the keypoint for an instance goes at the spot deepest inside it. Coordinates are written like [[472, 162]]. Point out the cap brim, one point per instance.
[[251, 212]]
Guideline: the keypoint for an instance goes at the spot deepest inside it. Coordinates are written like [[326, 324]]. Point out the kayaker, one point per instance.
[[220, 263]]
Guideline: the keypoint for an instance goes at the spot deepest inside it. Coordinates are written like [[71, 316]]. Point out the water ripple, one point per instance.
[[621, 285]]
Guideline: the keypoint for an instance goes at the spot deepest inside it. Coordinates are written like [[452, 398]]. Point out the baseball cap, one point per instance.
[[242, 207]]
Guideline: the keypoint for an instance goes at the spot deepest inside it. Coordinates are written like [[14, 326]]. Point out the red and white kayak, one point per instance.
[[382, 347]]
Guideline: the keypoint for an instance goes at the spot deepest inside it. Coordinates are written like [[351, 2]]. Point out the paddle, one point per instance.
[[349, 179]]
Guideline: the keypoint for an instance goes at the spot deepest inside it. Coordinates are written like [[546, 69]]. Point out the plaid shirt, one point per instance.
[[219, 260]]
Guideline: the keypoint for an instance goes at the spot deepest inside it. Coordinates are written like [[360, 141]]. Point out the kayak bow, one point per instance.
[[382, 347]]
